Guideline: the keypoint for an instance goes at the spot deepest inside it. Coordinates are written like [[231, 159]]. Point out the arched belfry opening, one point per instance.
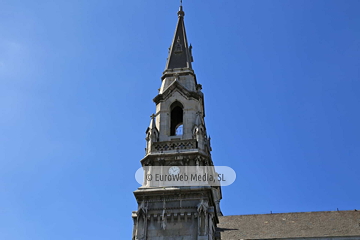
[[176, 115]]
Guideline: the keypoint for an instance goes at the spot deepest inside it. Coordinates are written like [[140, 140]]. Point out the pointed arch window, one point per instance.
[[176, 116]]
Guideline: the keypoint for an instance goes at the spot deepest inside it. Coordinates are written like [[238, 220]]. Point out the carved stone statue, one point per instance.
[[203, 206], [202, 219], [163, 220], [141, 220], [163, 216]]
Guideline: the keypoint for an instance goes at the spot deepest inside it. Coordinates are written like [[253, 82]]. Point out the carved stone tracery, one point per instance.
[[174, 145]]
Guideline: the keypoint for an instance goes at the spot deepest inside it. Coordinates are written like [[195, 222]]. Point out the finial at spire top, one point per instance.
[[181, 12]]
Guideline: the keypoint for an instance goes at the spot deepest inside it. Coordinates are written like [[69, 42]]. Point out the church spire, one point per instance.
[[179, 53], [177, 138]]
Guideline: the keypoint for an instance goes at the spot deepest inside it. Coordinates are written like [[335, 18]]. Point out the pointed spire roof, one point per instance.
[[152, 123], [179, 52]]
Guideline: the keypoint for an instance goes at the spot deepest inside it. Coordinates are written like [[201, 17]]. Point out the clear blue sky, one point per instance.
[[77, 79]]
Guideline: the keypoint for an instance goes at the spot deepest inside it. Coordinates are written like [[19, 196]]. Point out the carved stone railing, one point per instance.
[[174, 145]]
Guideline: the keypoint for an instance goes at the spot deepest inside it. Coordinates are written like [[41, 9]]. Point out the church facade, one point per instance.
[[177, 138]]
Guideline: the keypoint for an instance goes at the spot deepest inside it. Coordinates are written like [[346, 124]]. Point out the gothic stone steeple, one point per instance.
[[177, 136]]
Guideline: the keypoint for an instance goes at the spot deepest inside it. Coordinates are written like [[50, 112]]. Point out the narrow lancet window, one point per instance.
[[176, 124]]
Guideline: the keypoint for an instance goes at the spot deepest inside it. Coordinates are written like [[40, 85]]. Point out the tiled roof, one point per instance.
[[290, 225]]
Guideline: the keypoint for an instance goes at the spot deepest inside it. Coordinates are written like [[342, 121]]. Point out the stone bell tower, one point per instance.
[[177, 137]]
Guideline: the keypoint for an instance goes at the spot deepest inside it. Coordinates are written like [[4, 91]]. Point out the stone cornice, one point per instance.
[[170, 158], [179, 72]]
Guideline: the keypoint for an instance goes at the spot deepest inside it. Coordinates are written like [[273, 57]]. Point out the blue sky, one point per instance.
[[77, 79]]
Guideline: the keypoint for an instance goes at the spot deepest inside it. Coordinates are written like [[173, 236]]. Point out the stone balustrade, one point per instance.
[[174, 145]]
